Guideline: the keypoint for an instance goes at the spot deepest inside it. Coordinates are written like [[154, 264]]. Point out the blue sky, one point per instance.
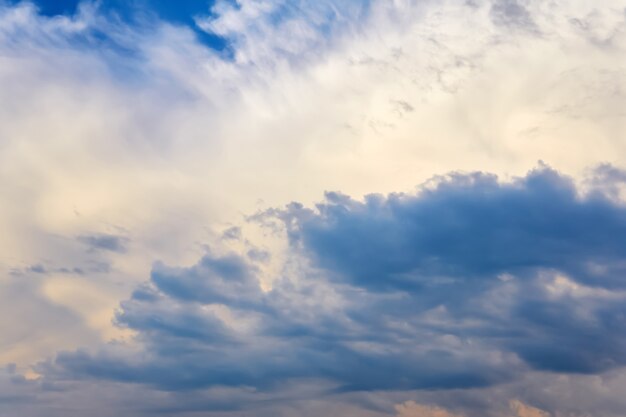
[[180, 12], [332, 208]]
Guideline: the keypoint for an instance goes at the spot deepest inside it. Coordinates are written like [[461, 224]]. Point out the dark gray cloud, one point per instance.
[[469, 282], [470, 229], [106, 242], [232, 233], [512, 14], [287, 333], [259, 255]]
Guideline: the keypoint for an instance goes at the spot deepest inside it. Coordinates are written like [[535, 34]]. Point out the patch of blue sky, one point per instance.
[[180, 12]]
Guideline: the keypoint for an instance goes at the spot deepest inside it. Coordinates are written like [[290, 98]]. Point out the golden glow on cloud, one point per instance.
[[412, 409], [523, 410]]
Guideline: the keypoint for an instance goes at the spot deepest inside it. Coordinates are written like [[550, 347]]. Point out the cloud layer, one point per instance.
[[469, 283], [138, 139]]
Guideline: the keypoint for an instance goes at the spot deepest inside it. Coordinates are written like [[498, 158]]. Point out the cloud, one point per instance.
[[268, 32], [412, 409], [29, 302], [470, 282], [104, 242], [111, 123], [260, 339], [467, 227], [512, 14], [523, 410], [16, 390], [461, 238]]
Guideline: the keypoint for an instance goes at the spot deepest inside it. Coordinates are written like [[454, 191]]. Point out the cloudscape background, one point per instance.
[[343, 208]]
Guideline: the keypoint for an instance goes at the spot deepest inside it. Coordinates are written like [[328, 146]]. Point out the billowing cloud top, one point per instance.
[[148, 152]]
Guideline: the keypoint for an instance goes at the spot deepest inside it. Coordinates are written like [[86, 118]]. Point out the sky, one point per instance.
[[342, 208]]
